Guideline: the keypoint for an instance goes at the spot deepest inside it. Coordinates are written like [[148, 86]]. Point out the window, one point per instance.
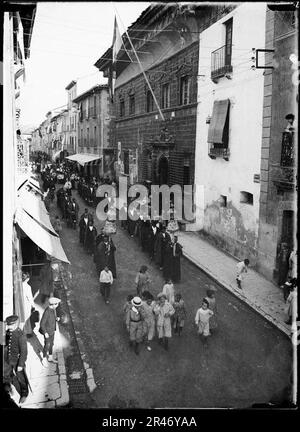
[[221, 57], [126, 161], [122, 108], [218, 132], [165, 96], [228, 42], [131, 104], [87, 109], [95, 106], [184, 90], [149, 102], [246, 198], [223, 201], [88, 136], [95, 136]]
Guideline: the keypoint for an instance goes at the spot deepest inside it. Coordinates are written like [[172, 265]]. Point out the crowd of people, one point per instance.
[[144, 314]]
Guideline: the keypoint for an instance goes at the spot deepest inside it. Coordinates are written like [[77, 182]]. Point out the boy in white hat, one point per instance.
[[134, 323], [48, 327]]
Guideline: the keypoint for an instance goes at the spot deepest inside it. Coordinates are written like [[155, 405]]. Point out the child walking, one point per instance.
[[142, 280], [179, 315], [202, 319], [211, 299], [147, 312]]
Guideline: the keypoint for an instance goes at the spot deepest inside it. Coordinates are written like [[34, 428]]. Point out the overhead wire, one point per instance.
[[132, 37]]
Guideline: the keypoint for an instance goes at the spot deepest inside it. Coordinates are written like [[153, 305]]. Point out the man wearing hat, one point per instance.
[[48, 327], [15, 356], [134, 323]]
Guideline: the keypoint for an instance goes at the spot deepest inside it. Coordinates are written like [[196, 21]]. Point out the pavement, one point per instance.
[[48, 384], [257, 292]]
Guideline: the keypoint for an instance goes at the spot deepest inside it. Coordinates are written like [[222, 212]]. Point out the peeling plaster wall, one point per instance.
[[231, 229], [234, 228]]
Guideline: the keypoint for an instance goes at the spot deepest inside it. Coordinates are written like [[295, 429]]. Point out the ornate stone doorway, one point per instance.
[[163, 171]]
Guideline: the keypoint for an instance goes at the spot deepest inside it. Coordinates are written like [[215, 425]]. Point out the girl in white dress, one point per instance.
[[202, 319]]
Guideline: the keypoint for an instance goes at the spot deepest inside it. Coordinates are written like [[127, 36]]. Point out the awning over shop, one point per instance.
[[36, 209], [56, 155], [84, 158], [216, 127], [40, 236], [23, 178], [26, 183]]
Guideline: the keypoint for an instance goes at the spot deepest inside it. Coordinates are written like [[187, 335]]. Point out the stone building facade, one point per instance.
[[150, 147], [93, 123], [277, 219]]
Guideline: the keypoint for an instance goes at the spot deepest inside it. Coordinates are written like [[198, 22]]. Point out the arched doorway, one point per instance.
[[163, 171]]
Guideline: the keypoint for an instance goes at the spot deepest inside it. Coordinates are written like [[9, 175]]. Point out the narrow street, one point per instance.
[[236, 369]]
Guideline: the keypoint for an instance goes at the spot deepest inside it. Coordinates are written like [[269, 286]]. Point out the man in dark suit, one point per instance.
[[163, 239], [173, 254], [15, 356], [47, 328], [73, 211]]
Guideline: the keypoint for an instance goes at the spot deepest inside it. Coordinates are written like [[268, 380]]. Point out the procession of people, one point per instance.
[[147, 316]]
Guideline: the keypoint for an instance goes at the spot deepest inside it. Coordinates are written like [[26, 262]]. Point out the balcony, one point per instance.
[[287, 150], [284, 176], [220, 62], [219, 152]]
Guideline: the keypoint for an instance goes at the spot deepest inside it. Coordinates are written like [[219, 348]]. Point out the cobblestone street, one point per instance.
[[236, 369]]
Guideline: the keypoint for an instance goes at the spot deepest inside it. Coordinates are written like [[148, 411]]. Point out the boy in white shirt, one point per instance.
[[241, 268], [106, 280]]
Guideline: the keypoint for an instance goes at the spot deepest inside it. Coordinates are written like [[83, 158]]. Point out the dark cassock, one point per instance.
[[153, 233], [83, 224], [172, 264], [105, 256], [90, 238], [74, 207], [163, 239], [132, 221], [144, 234]]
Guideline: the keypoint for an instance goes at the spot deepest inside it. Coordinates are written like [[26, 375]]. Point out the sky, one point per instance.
[[67, 39]]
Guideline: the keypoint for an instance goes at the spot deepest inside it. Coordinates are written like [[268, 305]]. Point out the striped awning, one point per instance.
[[35, 207], [85, 158], [40, 235], [216, 126]]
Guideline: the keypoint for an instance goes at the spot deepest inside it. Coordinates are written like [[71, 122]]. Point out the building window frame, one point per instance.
[[149, 102], [184, 90], [132, 104], [122, 107], [165, 95]]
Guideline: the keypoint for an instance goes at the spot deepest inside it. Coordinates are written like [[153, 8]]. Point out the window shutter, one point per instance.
[[216, 127]]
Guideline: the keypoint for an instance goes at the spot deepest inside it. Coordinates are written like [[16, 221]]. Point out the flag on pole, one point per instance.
[[116, 46]]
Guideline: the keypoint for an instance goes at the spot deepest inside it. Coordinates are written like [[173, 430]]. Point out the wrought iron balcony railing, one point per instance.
[[220, 62], [287, 150]]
